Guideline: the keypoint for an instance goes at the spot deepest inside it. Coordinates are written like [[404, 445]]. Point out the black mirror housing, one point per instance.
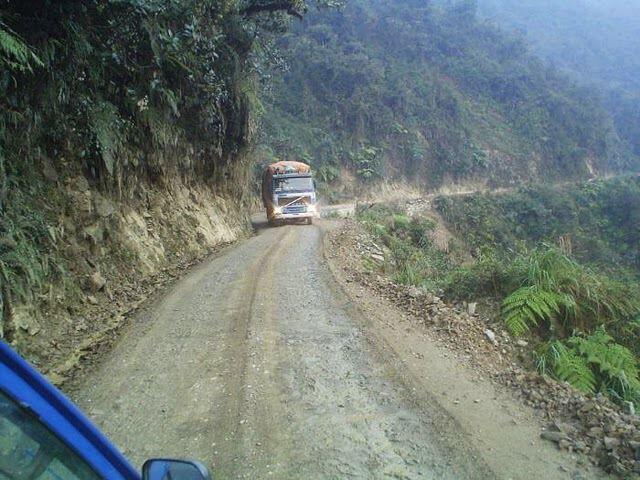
[[166, 469]]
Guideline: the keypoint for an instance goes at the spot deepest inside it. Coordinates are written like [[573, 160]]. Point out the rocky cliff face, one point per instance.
[[105, 256], [124, 133]]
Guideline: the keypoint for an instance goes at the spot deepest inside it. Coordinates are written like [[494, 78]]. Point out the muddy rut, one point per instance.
[[257, 364]]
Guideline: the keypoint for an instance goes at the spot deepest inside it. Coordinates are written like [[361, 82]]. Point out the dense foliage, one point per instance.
[[410, 89], [598, 221], [565, 295], [412, 258], [597, 42], [129, 88], [562, 262], [593, 363], [120, 93]]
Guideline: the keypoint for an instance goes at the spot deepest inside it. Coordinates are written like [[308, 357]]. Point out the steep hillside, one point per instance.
[[409, 89], [577, 241], [600, 220], [124, 135], [595, 42], [562, 261]]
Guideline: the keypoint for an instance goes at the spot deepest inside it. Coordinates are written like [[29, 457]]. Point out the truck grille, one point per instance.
[[300, 202], [295, 209]]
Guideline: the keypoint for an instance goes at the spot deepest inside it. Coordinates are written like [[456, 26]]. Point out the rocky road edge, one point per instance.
[[113, 313], [591, 428], [114, 254]]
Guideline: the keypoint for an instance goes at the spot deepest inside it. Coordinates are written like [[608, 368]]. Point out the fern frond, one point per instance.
[[575, 370], [566, 365], [14, 52], [527, 307], [615, 365]]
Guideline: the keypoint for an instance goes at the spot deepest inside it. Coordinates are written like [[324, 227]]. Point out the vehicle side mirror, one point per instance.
[[163, 469]]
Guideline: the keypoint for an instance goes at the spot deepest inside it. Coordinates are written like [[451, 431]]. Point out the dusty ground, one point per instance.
[[262, 364], [590, 429]]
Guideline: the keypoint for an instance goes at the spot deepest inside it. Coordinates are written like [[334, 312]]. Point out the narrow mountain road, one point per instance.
[[257, 364]]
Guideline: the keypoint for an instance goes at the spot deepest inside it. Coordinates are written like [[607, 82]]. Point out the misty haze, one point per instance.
[[331, 239]]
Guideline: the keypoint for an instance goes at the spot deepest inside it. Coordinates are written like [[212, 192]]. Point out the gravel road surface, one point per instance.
[[257, 364]]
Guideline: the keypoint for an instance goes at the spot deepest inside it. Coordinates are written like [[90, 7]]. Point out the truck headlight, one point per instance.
[[311, 208], [277, 210]]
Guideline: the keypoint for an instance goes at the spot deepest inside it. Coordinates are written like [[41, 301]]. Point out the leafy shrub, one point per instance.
[[490, 275], [28, 254], [567, 300], [367, 163], [14, 52], [593, 363], [412, 259], [566, 365], [599, 219], [566, 296]]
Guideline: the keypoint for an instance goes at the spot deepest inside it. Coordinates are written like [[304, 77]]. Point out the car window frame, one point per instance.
[[62, 444], [27, 387]]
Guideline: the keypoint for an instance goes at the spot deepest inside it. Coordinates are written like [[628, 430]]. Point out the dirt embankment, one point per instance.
[[112, 255], [590, 430]]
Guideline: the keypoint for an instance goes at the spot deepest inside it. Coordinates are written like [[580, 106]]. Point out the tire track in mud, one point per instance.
[[170, 386], [330, 407], [255, 364], [262, 440], [230, 428]]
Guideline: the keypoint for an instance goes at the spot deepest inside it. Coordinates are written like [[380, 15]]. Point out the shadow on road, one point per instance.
[[258, 222]]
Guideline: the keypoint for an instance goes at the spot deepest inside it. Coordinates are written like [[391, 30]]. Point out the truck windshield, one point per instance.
[[293, 184]]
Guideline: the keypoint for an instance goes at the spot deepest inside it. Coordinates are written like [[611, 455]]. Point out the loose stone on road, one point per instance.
[[258, 364]]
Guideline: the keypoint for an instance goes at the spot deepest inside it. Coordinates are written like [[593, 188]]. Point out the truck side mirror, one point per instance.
[[164, 469]]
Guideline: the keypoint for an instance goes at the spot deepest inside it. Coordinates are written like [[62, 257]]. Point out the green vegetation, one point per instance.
[[132, 89], [596, 42], [437, 94], [568, 296], [597, 221], [28, 255], [412, 258], [593, 363], [14, 53], [121, 93], [563, 262]]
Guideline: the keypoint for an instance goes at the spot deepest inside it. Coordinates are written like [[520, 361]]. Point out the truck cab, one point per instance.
[[294, 196], [43, 436], [288, 192]]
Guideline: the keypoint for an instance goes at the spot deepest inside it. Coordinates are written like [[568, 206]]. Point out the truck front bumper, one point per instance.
[[293, 216], [288, 215]]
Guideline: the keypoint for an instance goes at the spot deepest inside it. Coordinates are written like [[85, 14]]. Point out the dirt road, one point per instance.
[[259, 365]]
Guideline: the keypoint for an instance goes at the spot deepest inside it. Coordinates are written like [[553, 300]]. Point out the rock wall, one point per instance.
[[111, 255]]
